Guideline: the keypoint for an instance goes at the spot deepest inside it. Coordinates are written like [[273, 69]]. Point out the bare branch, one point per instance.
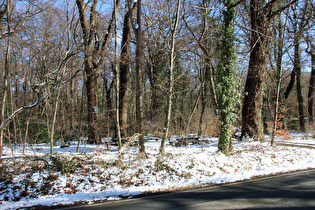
[[107, 35], [83, 20], [281, 9], [19, 111], [38, 89]]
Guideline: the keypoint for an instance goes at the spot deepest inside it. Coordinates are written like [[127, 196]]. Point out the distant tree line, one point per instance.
[[116, 68]]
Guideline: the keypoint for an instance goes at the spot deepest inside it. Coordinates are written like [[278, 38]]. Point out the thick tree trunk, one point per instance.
[[207, 81], [252, 103], [92, 103], [124, 74], [261, 14], [139, 75]]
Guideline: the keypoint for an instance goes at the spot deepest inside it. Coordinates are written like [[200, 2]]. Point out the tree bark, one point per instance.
[[297, 69], [311, 91], [261, 14], [311, 87], [139, 73], [171, 82], [290, 85], [278, 75], [297, 66], [252, 102], [139, 76], [6, 75], [124, 74], [92, 100], [116, 73]]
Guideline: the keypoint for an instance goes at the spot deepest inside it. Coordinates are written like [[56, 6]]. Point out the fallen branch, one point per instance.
[[127, 144]]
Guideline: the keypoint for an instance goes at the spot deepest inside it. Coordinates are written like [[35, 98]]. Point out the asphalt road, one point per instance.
[[287, 191]]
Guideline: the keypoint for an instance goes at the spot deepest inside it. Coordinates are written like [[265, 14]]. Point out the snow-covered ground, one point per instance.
[[96, 173]]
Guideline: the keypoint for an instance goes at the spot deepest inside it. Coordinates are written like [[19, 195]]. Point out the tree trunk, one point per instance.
[[139, 76], [116, 73], [6, 77], [226, 84], [171, 82], [311, 91], [5, 94], [203, 108], [297, 66], [92, 103], [252, 103], [52, 132], [290, 85], [261, 14], [278, 75], [124, 73], [205, 83]]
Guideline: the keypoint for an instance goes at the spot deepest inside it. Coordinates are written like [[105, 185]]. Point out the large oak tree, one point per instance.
[[261, 14]]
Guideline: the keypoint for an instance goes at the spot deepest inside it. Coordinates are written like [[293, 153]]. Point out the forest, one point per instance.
[[92, 69]]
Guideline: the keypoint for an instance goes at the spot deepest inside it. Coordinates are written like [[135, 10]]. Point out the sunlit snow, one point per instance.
[[103, 176]]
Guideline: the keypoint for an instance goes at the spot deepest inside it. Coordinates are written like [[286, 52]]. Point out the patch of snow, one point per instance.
[[102, 177]]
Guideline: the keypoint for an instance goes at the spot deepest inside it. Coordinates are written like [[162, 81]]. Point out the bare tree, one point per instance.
[[261, 14], [94, 49], [6, 75], [116, 73], [299, 20], [310, 106], [124, 72], [171, 79]]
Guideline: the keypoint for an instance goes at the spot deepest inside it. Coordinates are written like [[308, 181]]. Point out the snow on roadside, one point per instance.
[[99, 176]]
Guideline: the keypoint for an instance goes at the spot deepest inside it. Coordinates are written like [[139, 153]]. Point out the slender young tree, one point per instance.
[[117, 82], [278, 75], [171, 80]]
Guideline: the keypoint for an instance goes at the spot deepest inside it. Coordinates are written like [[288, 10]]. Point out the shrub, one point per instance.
[[66, 165]]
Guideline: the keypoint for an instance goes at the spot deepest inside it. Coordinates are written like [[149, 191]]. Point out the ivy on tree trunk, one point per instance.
[[226, 85]]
